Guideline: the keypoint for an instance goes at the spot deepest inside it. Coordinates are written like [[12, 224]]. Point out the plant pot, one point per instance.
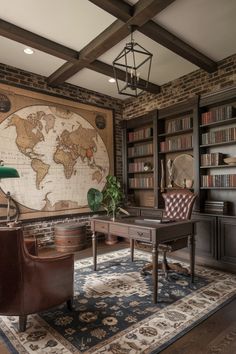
[[111, 240]]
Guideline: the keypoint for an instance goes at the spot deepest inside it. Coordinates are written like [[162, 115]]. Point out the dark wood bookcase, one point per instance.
[[177, 142], [203, 128], [140, 160]]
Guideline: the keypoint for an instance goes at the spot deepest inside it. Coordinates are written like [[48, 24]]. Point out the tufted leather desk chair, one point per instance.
[[178, 206], [30, 284]]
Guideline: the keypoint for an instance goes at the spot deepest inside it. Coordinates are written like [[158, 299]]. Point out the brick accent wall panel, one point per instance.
[[196, 83]]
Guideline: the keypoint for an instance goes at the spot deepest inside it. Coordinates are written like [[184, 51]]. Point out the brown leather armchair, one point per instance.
[[178, 206], [30, 284]]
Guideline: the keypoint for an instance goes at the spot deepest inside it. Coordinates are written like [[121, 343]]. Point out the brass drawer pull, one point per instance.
[[140, 233]]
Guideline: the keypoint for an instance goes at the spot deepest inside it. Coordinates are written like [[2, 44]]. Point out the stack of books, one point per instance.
[[212, 159], [218, 114], [216, 207]]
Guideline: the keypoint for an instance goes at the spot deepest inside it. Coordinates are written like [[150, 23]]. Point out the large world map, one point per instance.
[[58, 154]]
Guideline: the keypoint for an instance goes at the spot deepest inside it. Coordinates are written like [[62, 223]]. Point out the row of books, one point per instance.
[[146, 182], [140, 150], [218, 114], [227, 180], [176, 143], [179, 124], [216, 207], [140, 134], [219, 136], [140, 167], [213, 159]]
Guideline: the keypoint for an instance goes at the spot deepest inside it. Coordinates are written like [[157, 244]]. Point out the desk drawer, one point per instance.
[[119, 230], [101, 226], [140, 234]]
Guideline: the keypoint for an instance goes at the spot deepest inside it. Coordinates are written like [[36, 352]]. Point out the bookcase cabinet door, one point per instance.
[[206, 236], [227, 240], [206, 240]]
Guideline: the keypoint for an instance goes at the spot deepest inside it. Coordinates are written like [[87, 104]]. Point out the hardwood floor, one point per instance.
[[216, 335]]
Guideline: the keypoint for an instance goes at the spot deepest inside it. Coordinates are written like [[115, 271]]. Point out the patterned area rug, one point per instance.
[[114, 312]]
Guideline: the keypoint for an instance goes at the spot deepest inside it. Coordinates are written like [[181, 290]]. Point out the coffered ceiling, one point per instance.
[[75, 41]]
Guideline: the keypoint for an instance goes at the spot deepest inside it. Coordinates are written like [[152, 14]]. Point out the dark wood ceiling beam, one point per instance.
[[147, 9], [159, 34], [118, 30], [35, 41], [176, 45], [107, 69], [116, 8]]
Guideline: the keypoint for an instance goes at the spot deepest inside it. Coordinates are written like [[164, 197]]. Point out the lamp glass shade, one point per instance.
[[8, 172]]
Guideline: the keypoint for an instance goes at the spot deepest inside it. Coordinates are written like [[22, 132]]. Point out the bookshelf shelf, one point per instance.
[[218, 166], [218, 188], [139, 156], [140, 141], [177, 150], [178, 132], [219, 123], [140, 172], [219, 144], [141, 188]]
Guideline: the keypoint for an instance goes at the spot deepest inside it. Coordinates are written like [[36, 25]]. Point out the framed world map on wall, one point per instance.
[[60, 148]]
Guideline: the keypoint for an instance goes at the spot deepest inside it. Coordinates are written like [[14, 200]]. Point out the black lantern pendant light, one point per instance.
[[133, 62]]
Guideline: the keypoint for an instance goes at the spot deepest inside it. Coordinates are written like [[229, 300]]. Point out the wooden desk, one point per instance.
[[135, 228]]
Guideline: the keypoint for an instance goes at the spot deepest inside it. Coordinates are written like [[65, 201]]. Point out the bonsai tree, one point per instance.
[[110, 198]]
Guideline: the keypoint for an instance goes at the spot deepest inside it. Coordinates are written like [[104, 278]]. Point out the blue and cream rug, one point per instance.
[[114, 312]]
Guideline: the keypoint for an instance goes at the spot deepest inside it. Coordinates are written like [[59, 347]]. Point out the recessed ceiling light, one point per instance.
[[28, 51], [112, 80]]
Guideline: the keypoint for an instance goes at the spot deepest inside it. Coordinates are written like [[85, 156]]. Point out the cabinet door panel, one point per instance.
[[227, 240], [206, 236]]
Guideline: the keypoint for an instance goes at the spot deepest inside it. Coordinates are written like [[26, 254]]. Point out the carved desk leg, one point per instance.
[[132, 249], [155, 272], [94, 242], [192, 255]]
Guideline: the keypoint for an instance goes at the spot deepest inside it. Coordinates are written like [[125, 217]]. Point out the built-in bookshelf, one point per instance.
[[202, 132], [139, 159], [217, 144], [175, 141]]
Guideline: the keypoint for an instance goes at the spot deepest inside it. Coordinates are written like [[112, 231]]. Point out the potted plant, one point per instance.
[[110, 198]]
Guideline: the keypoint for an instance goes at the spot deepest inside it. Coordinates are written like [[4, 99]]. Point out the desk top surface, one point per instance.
[[144, 222]]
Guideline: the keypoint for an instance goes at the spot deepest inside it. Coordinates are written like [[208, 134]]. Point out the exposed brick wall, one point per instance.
[[196, 83]]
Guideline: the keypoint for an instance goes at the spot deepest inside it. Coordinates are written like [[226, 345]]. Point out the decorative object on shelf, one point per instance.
[[230, 161], [216, 207], [183, 169], [147, 166], [188, 183], [9, 172], [135, 60], [162, 176], [170, 172]]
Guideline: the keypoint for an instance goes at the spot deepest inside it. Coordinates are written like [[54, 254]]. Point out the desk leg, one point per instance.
[[132, 249], [192, 256], [94, 242], [155, 272]]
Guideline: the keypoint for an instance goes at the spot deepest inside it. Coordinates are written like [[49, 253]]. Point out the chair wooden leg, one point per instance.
[[165, 266], [70, 304], [22, 323]]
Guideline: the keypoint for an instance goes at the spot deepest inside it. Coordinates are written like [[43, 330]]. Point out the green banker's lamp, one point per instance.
[[8, 172]]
